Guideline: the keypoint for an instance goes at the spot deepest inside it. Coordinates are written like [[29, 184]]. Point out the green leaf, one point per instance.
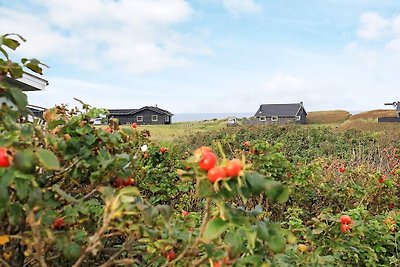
[[48, 160], [214, 229], [10, 43], [53, 124], [15, 214], [165, 210], [235, 242], [72, 251], [276, 191], [256, 181], [276, 239], [22, 188], [24, 160], [251, 238], [18, 98]]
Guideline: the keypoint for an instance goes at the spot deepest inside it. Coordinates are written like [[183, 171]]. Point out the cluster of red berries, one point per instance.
[[163, 150], [4, 158], [119, 182], [346, 222], [214, 173]]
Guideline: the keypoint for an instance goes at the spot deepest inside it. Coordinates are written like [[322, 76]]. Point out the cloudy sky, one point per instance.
[[211, 55]]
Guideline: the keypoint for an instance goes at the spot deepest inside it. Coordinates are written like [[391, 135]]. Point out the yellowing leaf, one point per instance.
[[4, 239], [7, 255]]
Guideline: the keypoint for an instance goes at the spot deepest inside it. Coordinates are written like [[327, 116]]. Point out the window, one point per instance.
[[154, 118], [274, 118], [298, 118], [166, 119], [263, 119], [139, 118]]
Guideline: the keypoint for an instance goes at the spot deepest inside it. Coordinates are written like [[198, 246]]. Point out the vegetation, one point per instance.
[[328, 117], [72, 194]]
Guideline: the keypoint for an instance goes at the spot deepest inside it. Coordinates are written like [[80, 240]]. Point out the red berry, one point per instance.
[[118, 182], [381, 180], [134, 125], [233, 167], [225, 260], [345, 228], [345, 219], [246, 143], [391, 205], [217, 264], [59, 223], [342, 169], [108, 129], [129, 181], [215, 174], [170, 255], [4, 159], [185, 213], [163, 150], [208, 161]]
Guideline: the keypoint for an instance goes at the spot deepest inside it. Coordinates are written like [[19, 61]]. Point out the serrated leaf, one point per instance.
[[214, 229], [48, 159], [72, 251]]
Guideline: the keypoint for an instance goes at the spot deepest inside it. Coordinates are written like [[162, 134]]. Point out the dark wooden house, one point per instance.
[[28, 82], [145, 115], [36, 111], [281, 113], [392, 119]]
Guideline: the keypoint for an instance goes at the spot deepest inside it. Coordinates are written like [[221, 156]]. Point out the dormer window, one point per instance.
[[274, 118]]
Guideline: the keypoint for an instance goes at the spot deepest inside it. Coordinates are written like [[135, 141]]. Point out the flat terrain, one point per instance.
[[339, 120]]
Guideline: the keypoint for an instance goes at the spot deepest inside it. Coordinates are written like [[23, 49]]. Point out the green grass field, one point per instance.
[[339, 120]]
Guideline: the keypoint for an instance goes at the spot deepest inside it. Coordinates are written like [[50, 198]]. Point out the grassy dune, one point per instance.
[[328, 117], [374, 114]]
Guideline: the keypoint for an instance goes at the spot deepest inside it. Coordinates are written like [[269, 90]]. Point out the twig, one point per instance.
[[198, 239], [4, 263], [36, 237]]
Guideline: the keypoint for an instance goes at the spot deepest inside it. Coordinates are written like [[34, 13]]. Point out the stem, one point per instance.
[[36, 237], [206, 218]]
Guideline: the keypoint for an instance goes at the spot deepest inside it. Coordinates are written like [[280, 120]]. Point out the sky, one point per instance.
[[211, 56]]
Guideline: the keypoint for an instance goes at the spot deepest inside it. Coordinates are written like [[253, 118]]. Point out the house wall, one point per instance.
[[389, 119], [281, 121], [147, 114], [303, 117]]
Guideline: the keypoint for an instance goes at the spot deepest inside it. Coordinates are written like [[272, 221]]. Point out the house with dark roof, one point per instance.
[[144, 115], [392, 119], [281, 113], [28, 82]]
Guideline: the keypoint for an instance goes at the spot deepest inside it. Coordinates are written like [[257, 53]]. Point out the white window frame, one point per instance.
[[166, 118], [152, 117], [263, 118], [274, 118], [139, 118], [298, 118]]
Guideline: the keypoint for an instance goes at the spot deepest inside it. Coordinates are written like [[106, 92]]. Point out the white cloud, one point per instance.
[[372, 26], [136, 36], [241, 6]]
